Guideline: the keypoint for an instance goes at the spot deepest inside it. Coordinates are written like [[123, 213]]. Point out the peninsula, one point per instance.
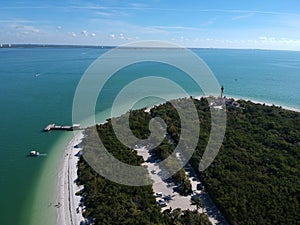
[[254, 179]]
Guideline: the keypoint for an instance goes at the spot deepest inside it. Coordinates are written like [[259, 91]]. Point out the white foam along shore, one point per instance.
[[237, 99], [255, 102], [67, 203], [269, 104]]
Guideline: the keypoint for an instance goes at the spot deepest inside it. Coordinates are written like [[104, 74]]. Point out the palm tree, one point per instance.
[[176, 214], [198, 202]]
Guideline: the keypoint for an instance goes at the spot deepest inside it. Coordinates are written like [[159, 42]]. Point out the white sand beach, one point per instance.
[[67, 204], [269, 104], [255, 102]]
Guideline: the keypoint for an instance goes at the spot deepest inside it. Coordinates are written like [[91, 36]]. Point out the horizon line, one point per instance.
[[16, 45]]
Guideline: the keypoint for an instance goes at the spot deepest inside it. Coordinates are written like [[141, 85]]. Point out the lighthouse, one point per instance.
[[222, 91]]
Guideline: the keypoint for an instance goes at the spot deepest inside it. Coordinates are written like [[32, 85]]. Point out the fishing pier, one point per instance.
[[53, 126]]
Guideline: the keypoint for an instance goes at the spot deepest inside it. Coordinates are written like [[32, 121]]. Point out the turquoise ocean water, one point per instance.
[[37, 86]]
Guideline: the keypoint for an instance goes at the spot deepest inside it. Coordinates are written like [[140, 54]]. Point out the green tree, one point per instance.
[[197, 202]]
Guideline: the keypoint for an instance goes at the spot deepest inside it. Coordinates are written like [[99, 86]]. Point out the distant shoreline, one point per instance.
[[7, 45], [266, 103], [53, 46], [270, 104], [255, 102]]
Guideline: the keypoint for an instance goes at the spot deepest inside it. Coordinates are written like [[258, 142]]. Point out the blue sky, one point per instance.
[[268, 24]]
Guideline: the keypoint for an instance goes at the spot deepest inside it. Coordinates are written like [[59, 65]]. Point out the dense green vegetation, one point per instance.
[[255, 178], [111, 203]]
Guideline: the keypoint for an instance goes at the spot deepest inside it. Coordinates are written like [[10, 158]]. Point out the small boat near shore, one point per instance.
[[34, 153]]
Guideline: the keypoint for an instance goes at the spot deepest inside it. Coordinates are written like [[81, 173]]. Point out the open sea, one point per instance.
[[37, 86]]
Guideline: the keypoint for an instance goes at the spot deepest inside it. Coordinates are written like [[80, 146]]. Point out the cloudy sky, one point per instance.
[[268, 24]]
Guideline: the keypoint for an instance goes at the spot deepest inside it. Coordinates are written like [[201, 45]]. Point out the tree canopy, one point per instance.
[[254, 179]]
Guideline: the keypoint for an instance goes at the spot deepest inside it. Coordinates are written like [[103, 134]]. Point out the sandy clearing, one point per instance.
[[178, 201]]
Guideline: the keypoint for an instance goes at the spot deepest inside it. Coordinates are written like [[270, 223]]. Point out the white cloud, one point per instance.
[[263, 38], [73, 34], [85, 33], [268, 39], [27, 28], [176, 28], [105, 14], [243, 16], [138, 5], [248, 11], [19, 21], [93, 34], [121, 36]]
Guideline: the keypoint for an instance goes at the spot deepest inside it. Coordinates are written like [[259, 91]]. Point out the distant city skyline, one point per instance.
[[270, 24]]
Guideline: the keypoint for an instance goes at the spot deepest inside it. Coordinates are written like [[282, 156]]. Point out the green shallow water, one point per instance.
[[29, 102], [37, 87]]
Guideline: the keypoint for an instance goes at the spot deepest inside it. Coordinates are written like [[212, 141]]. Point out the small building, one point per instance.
[[231, 103]]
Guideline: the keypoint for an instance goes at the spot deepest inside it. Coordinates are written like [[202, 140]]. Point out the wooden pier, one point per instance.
[[53, 126]]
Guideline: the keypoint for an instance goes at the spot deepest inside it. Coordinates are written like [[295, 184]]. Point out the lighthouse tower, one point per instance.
[[222, 91]]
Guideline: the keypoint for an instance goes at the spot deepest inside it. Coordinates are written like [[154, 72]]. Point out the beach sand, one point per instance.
[[67, 203], [254, 101]]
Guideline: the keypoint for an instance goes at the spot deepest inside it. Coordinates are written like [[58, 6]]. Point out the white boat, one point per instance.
[[34, 153]]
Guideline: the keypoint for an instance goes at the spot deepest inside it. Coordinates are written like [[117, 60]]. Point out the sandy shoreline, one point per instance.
[[267, 104], [256, 102], [237, 99], [67, 203]]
